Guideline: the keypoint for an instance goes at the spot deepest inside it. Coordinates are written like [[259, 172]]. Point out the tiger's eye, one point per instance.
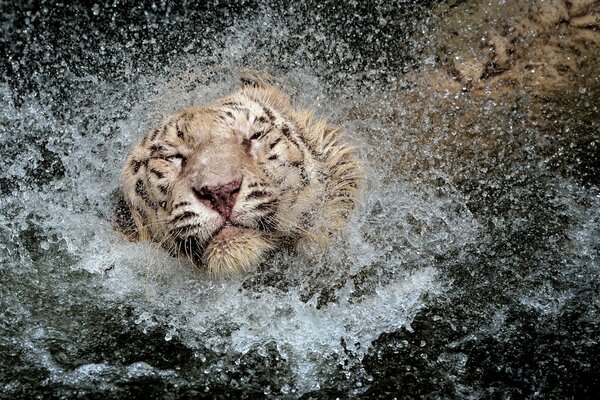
[[177, 156]]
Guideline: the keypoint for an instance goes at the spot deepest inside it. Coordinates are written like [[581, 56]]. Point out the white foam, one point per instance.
[[382, 244], [73, 212]]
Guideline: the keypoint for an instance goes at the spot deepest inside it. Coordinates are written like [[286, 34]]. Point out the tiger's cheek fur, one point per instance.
[[291, 178]]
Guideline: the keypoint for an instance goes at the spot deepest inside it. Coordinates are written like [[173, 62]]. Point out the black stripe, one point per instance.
[[285, 129], [257, 135], [266, 205], [182, 230], [163, 132], [180, 132], [140, 189], [268, 113], [154, 135], [183, 216], [135, 165], [156, 172], [257, 194], [255, 184], [163, 189], [233, 104], [275, 143], [273, 157], [181, 204]]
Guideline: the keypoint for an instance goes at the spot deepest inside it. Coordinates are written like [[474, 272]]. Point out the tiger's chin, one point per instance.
[[234, 250]]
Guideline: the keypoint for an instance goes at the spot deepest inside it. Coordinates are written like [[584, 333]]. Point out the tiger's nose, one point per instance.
[[220, 198]]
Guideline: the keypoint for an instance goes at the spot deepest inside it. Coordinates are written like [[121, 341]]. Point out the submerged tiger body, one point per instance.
[[226, 183]]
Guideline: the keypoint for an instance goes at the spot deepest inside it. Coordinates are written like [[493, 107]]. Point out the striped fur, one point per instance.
[[298, 179]]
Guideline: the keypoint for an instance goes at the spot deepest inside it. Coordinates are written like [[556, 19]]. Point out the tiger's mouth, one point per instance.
[[193, 247], [228, 231], [227, 227], [232, 247], [228, 223]]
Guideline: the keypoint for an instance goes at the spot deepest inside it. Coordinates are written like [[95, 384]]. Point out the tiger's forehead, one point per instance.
[[221, 120], [208, 124], [239, 102]]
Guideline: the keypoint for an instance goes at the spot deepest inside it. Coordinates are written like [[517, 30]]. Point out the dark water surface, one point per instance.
[[470, 269]]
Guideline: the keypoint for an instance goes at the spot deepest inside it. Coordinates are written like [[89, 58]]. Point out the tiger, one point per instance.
[[225, 184]]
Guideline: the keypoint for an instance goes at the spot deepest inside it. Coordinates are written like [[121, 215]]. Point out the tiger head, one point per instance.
[[226, 183]]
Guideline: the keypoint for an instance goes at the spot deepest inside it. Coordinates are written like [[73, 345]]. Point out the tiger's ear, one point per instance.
[[258, 79]]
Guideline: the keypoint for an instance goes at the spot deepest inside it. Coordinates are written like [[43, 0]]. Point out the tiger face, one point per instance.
[[226, 183]]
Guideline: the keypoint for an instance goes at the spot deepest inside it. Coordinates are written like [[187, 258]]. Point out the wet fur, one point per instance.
[[300, 181]]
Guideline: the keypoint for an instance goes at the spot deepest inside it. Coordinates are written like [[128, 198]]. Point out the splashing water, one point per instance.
[[469, 269]]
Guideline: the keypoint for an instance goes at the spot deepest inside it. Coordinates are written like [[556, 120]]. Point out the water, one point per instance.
[[470, 268]]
